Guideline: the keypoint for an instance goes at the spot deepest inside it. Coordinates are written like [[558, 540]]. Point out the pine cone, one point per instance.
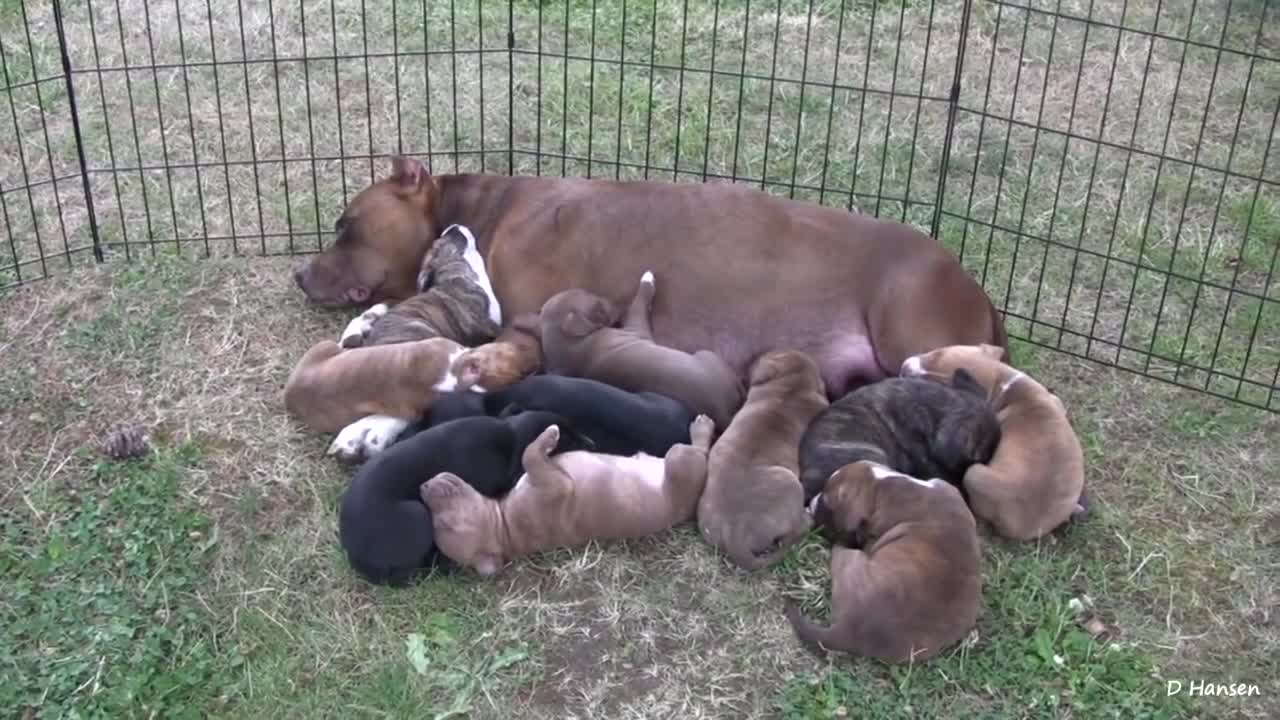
[[125, 443]]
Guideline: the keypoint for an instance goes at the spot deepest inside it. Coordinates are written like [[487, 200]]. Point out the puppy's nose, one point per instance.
[[299, 273]]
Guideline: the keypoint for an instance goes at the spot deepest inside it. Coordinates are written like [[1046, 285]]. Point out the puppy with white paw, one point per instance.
[[384, 387]]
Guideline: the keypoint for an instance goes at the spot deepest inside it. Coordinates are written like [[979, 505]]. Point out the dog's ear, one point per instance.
[[580, 323], [995, 352], [963, 381], [765, 369], [469, 369], [407, 171]]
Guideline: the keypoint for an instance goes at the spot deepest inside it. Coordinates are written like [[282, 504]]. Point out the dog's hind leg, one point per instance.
[[637, 318], [539, 469], [684, 470]]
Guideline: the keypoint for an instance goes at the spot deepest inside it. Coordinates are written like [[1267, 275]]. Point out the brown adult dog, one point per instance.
[[917, 589], [743, 271], [567, 500], [330, 388], [753, 506], [1035, 481], [578, 340]]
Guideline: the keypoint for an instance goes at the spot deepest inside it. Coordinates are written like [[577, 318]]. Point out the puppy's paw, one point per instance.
[[358, 329], [550, 438], [701, 430], [366, 437]]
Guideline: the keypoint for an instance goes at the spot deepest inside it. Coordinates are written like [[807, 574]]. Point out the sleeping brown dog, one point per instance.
[[752, 508], [916, 588], [578, 341], [568, 500], [331, 388], [1035, 481]]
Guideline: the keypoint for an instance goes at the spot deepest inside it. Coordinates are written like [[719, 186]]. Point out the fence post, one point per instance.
[[952, 106], [75, 129], [511, 87]]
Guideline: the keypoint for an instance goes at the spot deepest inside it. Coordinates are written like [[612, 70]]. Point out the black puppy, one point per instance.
[[918, 427], [616, 421], [383, 525]]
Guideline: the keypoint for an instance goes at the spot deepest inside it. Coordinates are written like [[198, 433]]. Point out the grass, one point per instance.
[[260, 615]]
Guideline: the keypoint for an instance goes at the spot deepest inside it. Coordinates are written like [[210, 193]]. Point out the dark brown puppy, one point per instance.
[[752, 508], [919, 427], [917, 588], [578, 341]]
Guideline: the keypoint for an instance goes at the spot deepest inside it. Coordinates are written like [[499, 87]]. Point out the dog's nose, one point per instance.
[[299, 273]]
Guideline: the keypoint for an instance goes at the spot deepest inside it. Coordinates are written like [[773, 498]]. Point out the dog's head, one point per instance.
[[968, 431], [381, 238], [863, 500], [792, 369], [465, 523], [450, 247], [494, 366], [757, 528], [982, 361], [576, 313]]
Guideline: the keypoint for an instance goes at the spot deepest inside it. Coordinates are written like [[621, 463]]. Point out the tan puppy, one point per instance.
[[568, 500], [753, 506], [917, 589], [1035, 481], [331, 388], [578, 341]]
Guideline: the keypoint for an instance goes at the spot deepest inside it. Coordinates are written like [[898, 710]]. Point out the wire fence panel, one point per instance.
[[1108, 170]]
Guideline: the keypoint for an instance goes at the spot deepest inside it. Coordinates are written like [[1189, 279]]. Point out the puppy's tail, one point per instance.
[[812, 636]]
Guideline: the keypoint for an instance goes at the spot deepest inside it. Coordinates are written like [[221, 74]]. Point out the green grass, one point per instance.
[[102, 616]]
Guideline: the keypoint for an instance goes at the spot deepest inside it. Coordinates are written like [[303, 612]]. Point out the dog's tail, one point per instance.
[[997, 328], [813, 636]]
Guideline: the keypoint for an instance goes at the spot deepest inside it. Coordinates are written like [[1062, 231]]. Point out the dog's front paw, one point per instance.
[[366, 437], [358, 329]]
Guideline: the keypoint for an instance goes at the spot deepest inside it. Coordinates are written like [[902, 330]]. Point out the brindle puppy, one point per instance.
[[455, 300], [915, 426]]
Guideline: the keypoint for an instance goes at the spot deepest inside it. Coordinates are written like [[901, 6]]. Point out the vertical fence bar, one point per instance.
[[953, 106], [511, 87], [75, 130]]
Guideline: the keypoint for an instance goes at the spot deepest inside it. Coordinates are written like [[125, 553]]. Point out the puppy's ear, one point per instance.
[[995, 352], [764, 369], [601, 312], [582, 323], [469, 369], [964, 381], [407, 171]]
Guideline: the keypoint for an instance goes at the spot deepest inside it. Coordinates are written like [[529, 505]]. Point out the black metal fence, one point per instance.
[[1109, 170]]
